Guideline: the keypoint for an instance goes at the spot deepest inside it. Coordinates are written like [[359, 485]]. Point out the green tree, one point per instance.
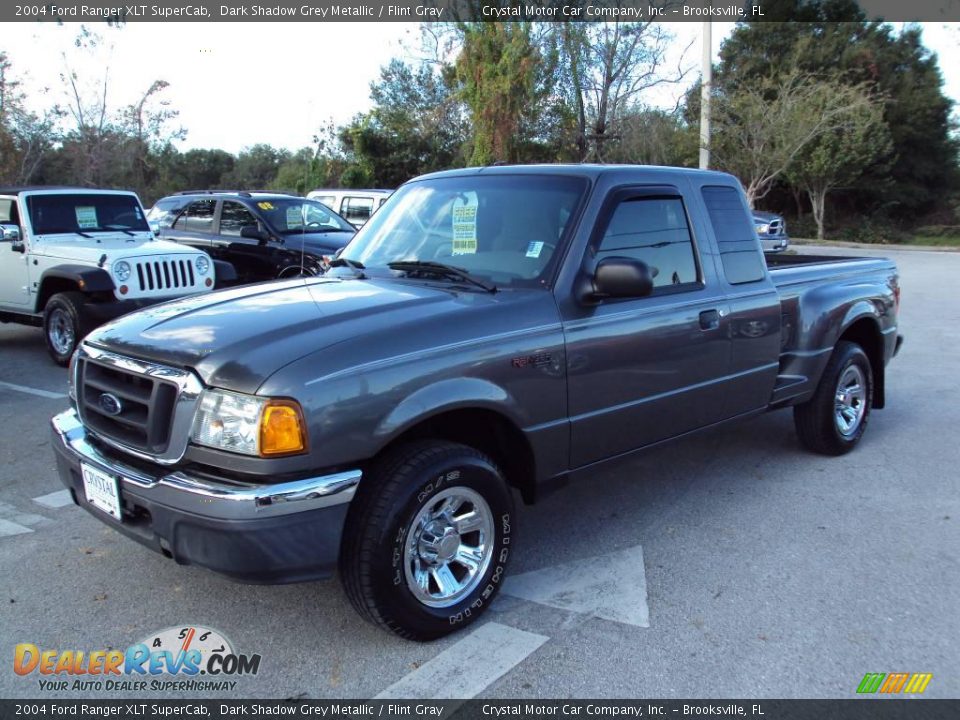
[[255, 168], [833, 39], [840, 156], [497, 69], [761, 128]]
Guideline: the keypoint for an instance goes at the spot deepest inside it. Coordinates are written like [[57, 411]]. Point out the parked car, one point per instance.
[[74, 258], [355, 205], [490, 330], [772, 231], [263, 235]]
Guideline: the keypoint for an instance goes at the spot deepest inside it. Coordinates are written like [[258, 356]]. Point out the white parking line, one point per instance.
[[463, 670], [33, 391], [611, 586], [58, 499], [8, 528]]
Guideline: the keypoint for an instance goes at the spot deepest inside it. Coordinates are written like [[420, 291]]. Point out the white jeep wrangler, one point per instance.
[[71, 259]]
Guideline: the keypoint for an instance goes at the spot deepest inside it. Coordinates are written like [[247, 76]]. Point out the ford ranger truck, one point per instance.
[[73, 258], [490, 332]]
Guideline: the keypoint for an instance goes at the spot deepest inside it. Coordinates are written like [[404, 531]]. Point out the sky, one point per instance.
[[238, 84]]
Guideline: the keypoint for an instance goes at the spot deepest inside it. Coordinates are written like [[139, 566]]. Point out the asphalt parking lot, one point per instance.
[[733, 564]]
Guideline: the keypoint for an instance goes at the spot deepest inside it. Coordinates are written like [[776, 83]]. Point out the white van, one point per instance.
[[356, 206]]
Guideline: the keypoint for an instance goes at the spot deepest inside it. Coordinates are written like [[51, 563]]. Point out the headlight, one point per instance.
[[121, 271], [763, 229], [202, 264], [248, 424]]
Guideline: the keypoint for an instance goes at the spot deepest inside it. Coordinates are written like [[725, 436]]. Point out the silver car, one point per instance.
[[772, 230]]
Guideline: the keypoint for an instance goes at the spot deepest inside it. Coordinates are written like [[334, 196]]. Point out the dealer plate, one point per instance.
[[101, 490]]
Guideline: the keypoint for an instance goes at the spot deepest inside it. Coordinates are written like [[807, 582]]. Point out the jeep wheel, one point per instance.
[[427, 539], [64, 325], [835, 418]]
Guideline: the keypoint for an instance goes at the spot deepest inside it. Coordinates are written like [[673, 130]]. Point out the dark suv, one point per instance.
[[263, 235]]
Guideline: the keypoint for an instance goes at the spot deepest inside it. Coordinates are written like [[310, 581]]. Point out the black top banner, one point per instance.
[[445, 11]]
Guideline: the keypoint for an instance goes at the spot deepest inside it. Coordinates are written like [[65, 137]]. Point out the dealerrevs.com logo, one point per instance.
[[189, 658]]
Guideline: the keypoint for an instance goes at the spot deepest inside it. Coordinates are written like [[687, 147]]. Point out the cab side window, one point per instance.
[[198, 217], [357, 209], [654, 230], [740, 251], [233, 217]]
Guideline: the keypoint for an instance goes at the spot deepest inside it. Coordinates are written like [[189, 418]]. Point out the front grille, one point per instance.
[[165, 274], [774, 228], [138, 411]]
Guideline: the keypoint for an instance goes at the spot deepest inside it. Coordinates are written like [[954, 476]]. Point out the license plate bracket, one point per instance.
[[101, 490]]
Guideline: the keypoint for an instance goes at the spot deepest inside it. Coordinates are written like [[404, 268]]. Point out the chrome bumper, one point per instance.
[[224, 500]]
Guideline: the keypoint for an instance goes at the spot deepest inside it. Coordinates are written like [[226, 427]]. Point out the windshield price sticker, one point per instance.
[[294, 217], [86, 217], [534, 249], [464, 227]]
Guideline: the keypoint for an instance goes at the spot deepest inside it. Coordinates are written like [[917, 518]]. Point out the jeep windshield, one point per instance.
[[296, 215], [504, 230], [84, 213]]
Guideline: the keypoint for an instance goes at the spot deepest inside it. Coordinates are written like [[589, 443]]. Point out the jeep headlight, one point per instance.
[[121, 271], [248, 424], [202, 264]]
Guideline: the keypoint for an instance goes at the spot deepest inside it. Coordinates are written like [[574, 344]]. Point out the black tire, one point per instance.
[[64, 325], [817, 421], [374, 560]]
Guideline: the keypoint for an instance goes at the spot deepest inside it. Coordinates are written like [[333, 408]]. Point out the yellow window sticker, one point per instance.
[[265, 205], [86, 217], [464, 238]]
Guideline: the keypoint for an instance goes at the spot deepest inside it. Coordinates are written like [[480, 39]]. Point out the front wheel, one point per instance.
[[64, 325], [427, 540], [835, 418]]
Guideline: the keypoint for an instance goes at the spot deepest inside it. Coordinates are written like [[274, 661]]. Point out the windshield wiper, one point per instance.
[[114, 227], [434, 268], [58, 231], [357, 267]]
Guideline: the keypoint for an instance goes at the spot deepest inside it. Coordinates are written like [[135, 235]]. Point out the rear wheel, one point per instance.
[[835, 418], [64, 325], [427, 539]]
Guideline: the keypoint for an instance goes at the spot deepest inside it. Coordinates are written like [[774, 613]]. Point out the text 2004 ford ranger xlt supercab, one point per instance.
[[489, 329]]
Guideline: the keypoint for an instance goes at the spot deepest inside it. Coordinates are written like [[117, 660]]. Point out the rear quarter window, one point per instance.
[[736, 237]]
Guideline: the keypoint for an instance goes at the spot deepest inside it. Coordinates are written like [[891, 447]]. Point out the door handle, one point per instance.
[[709, 319]]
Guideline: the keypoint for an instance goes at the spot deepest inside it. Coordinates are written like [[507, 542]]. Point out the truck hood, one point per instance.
[[115, 247], [236, 338]]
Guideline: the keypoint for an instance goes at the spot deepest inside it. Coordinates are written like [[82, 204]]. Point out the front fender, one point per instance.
[[88, 279], [443, 396]]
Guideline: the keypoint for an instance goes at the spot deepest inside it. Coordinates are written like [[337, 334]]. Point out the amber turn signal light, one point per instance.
[[282, 429]]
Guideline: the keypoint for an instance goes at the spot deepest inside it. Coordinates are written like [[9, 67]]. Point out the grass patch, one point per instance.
[[934, 240]]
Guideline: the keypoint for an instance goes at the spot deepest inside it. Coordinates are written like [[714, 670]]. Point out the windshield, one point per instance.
[[84, 213], [504, 229], [297, 215]]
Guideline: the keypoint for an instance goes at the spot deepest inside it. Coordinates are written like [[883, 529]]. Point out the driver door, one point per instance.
[[14, 269]]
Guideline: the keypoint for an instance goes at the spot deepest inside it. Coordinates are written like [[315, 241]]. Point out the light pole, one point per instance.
[[706, 79]]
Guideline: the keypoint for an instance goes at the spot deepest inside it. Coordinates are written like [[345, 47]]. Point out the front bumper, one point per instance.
[[286, 532]]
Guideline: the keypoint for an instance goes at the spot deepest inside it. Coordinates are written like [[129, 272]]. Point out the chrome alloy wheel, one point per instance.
[[449, 547], [60, 331], [851, 400]]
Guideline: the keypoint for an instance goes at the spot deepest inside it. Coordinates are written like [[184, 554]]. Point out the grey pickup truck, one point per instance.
[[489, 330]]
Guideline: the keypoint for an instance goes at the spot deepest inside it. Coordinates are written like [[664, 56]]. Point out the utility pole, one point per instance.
[[706, 77]]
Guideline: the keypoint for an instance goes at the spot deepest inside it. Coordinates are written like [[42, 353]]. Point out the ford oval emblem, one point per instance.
[[110, 404]]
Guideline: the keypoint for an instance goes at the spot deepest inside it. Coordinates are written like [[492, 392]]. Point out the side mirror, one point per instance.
[[621, 277], [255, 233], [10, 232]]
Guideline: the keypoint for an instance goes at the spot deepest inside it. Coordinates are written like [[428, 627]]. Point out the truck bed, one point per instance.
[[826, 290]]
